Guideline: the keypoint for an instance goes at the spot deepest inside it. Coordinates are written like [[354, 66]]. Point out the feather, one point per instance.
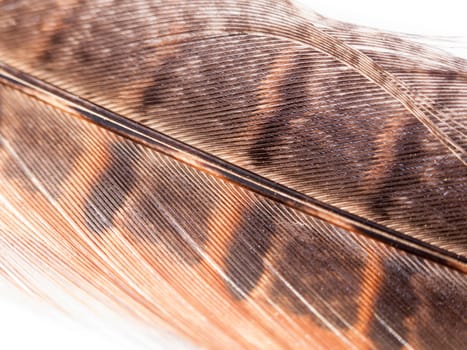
[[247, 174]]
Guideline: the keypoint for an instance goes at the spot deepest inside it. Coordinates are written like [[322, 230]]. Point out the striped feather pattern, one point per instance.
[[246, 174]]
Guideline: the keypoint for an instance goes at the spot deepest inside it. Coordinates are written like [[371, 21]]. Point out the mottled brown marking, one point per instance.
[[313, 268], [441, 316], [250, 242], [111, 188], [29, 130], [282, 86], [395, 304]]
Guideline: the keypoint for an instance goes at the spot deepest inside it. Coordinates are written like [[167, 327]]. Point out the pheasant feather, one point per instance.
[[246, 174]]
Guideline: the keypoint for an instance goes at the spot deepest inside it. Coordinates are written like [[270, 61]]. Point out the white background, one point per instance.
[[24, 325]]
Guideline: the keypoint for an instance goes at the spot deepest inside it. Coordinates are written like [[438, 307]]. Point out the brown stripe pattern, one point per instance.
[[378, 133]]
